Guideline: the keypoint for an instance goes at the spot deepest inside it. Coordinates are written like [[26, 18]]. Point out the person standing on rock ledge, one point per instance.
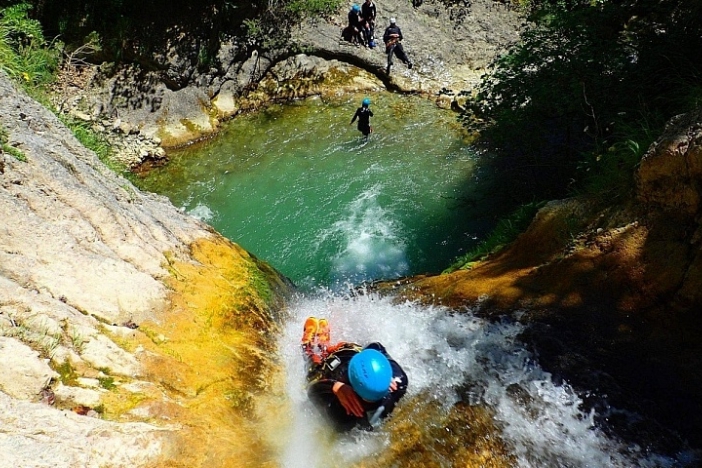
[[393, 45], [368, 13], [363, 114], [355, 26]]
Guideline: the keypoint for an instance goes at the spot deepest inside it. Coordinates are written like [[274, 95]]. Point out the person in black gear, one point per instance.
[[352, 386], [355, 26], [393, 46], [368, 13], [363, 114]]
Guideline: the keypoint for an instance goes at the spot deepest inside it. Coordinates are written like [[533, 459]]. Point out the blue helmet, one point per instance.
[[370, 374], [356, 8], [366, 102]]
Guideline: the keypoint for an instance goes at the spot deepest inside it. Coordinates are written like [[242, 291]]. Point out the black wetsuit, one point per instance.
[[394, 46], [355, 27], [335, 369], [363, 114], [368, 13]]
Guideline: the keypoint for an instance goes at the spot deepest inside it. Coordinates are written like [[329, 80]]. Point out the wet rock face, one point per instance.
[[669, 184], [670, 176]]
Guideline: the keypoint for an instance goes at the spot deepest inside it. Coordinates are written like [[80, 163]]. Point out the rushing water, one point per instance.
[[449, 358], [299, 187]]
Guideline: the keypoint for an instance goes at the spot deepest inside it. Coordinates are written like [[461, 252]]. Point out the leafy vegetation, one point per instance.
[[107, 382], [24, 52], [132, 30], [92, 140], [7, 148], [576, 104], [67, 373], [506, 231]]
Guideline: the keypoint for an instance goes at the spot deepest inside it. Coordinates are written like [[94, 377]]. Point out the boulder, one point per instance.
[[24, 372]]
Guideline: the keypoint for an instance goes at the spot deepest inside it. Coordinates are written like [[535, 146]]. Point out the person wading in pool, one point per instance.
[[351, 385], [363, 114]]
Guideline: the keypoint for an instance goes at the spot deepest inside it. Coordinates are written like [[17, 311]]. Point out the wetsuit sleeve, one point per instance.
[[356, 115], [399, 31], [322, 388], [398, 374], [370, 112], [321, 393]]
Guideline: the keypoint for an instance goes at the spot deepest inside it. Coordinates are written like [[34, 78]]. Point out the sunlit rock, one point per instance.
[[24, 372]]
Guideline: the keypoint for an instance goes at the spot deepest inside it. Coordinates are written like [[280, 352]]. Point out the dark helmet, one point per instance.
[[370, 374], [366, 102]]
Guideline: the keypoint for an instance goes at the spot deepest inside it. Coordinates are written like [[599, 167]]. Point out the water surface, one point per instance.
[[299, 187]]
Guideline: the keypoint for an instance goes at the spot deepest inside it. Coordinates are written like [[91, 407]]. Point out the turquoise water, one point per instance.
[[300, 188]]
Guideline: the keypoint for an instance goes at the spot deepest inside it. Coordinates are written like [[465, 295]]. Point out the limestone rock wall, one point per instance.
[[669, 184], [89, 267], [75, 232]]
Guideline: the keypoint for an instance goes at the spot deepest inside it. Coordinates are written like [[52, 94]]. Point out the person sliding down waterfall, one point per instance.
[[363, 114], [351, 385], [393, 46]]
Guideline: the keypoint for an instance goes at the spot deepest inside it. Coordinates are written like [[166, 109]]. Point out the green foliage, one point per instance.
[[506, 231], [67, 374], [307, 8], [24, 53], [19, 155], [92, 140], [6, 148], [554, 107], [608, 174], [108, 383]]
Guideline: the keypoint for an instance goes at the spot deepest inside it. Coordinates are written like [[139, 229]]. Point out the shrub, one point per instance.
[[506, 231], [24, 53]]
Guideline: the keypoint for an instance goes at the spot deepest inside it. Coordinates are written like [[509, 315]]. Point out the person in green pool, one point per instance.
[[363, 114]]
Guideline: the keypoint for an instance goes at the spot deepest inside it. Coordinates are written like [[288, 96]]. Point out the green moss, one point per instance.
[[108, 383], [67, 374], [260, 283], [191, 126], [154, 336], [6, 148]]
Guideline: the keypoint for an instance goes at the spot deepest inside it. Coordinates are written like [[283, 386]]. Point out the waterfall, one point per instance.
[[449, 357]]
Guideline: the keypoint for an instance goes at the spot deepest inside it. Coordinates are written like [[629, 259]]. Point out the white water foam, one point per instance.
[[369, 244], [445, 353], [201, 212]]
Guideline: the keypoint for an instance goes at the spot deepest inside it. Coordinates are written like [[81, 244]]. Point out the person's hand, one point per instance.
[[348, 399], [393, 383]]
